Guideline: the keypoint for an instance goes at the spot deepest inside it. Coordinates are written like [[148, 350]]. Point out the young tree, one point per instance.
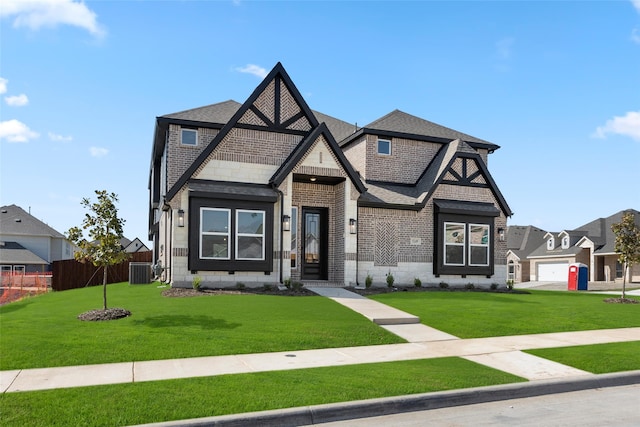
[[102, 247], [627, 244]]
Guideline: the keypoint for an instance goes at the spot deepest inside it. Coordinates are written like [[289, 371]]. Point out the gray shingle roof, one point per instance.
[[15, 253], [16, 221], [522, 240], [399, 121]]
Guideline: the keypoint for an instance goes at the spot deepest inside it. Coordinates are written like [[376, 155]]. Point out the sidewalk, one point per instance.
[[502, 353]]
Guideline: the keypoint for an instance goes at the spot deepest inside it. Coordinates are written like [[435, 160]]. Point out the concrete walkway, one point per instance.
[[502, 353]]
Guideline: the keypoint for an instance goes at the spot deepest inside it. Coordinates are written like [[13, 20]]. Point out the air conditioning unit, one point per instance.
[[139, 273]]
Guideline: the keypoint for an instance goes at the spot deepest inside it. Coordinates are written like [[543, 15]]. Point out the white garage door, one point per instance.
[[553, 272]]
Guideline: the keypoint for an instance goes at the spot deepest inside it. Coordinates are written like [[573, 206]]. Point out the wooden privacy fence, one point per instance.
[[72, 274]]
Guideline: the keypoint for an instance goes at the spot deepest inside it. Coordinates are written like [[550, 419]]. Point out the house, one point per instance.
[[28, 244], [521, 241], [270, 190], [592, 244]]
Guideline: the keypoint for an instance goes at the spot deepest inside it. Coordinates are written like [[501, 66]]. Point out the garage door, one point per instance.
[[553, 272]]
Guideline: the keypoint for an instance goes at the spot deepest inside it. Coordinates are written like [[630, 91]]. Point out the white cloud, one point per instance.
[[98, 151], [627, 125], [253, 69], [635, 35], [636, 4], [17, 100], [61, 138], [36, 14], [3, 85], [16, 131]]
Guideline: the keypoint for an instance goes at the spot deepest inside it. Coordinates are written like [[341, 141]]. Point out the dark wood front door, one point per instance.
[[314, 243]]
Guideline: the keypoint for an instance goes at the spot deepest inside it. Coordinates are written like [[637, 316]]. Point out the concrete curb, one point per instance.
[[309, 415]]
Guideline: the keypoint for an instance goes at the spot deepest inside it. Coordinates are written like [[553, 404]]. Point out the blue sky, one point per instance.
[[555, 84]]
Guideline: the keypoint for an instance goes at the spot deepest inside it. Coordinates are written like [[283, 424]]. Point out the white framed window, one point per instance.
[[19, 269], [454, 243], [250, 236], [6, 269], [189, 137], [384, 147], [565, 242], [294, 237], [551, 244], [478, 245], [215, 226]]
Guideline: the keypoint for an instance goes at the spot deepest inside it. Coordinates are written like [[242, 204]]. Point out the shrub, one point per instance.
[[494, 286], [297, 286], [196, 283], [287, 283], [417, 282], [390, 280], [469, 286], [240, 286], [510, 284], [368, 281], [444, 285], [267, 287]]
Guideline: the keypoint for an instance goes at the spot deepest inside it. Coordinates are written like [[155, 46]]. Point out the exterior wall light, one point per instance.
[[180, 218], [501, 234], [286, 223], [353, 226]]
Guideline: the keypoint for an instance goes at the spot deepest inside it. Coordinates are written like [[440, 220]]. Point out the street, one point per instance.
[[612, 406]]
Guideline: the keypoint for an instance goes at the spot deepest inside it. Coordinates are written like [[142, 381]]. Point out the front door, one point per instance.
[[314, 243]]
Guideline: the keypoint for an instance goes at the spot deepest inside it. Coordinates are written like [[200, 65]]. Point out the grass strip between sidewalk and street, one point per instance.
[[598, 359], [476, 314], [147, 402]]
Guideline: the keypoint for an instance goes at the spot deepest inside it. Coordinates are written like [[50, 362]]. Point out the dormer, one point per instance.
[[551, 241], [565, 240]]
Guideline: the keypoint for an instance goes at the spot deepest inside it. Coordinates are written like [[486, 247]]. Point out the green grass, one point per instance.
[[137, 403], [485, 314], [598, 359], [44, 331]]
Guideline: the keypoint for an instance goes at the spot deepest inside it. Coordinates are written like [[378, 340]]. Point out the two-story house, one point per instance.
[[270, 190], [28, 244], [592, 244]]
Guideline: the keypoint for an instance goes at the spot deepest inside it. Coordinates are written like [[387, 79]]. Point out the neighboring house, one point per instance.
[[591, 244], [28, 244], [270, 190], [521, 241], [134, 245]]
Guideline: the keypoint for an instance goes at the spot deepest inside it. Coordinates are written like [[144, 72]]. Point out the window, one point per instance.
[[384, 147], [19, 269], [478, 244], [215, 225], [464, 233], [189, 137], [550, 244], [565, 242], [454, 243], [249, 235], [231, 235], [294, 237], [619, 270]]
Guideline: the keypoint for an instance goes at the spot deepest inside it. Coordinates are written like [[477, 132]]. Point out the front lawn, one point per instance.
[[137, 403], [43, 331], [487, 314], [599, 359]]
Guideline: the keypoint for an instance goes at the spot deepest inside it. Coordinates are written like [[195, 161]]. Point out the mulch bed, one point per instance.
[[185, 292], [621, 301], [108, 314]]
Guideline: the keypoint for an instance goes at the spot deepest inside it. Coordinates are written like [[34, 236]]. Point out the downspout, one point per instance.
[[357, 245], [170, 250], [281, 197]]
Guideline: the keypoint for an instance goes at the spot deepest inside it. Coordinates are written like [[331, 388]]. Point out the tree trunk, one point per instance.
[[624, 280], [104, 289]]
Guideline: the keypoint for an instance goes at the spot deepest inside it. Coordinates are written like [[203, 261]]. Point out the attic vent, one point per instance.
[[4, 211], [18, 220]]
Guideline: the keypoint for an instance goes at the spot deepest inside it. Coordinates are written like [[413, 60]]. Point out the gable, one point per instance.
[[274, 106], [465, 171]]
